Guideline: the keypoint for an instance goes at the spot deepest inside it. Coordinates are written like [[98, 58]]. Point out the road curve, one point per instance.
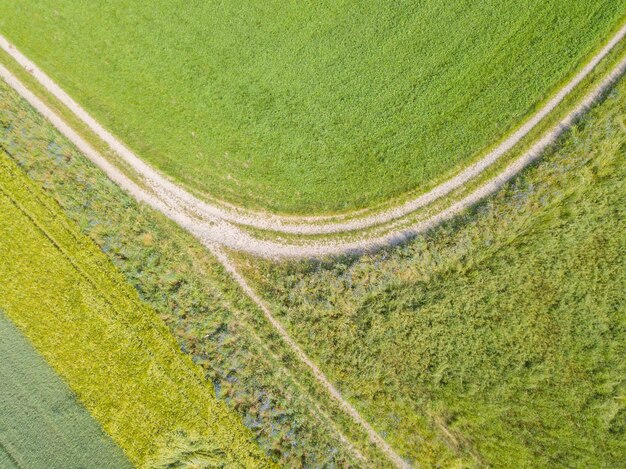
[[166, 189], [211, 229]]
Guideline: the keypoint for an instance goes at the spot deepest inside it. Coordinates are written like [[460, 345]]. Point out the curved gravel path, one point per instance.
[[203, 221], [314, 225]]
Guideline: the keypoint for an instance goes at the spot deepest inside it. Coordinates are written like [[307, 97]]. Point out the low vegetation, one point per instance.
[[504, 331], [348, 103], [36, 404], [213, 322], [181, 451], [89, 324]]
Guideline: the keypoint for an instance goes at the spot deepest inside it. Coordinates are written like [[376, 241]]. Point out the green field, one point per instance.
[[114, 352], [309, 106], [212, 320], [494, 340], [41, 423], [503, 332]]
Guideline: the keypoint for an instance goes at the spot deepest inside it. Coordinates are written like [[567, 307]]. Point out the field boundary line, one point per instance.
[[375, 438], [166, 188]]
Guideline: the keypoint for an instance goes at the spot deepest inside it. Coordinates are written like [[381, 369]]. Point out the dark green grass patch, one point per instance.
[[42, 425], [505, 329], [309, 106]]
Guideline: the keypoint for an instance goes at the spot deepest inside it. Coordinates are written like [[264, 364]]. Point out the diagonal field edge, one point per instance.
[[285, 224]]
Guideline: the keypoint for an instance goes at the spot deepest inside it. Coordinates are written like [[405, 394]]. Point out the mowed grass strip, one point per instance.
[[309, 106], [504, 329], [42, 425], [89, 324]]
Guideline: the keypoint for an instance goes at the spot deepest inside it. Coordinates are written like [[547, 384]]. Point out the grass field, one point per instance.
[[212, 320], [41, 423], [89, 324], [503, 331], [348, 103]]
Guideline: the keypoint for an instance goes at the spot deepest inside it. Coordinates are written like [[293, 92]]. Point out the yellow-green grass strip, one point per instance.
[[89, 324]]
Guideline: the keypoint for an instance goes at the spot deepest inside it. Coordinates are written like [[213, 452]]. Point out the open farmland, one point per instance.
[[463, 304], [193, 296], [305, 117], [502, 331], [112, 350], [41, 423], [210, 318]]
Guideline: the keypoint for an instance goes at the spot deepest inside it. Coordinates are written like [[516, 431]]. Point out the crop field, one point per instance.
[[90, 326], [41, 423], [210, 319], [306, 118], [502, 331]]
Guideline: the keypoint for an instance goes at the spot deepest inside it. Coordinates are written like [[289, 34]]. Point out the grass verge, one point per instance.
[[113, 351]]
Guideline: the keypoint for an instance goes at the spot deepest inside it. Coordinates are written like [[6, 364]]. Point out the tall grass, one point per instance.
[[89, 324], [309, 106], [504, 331]]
